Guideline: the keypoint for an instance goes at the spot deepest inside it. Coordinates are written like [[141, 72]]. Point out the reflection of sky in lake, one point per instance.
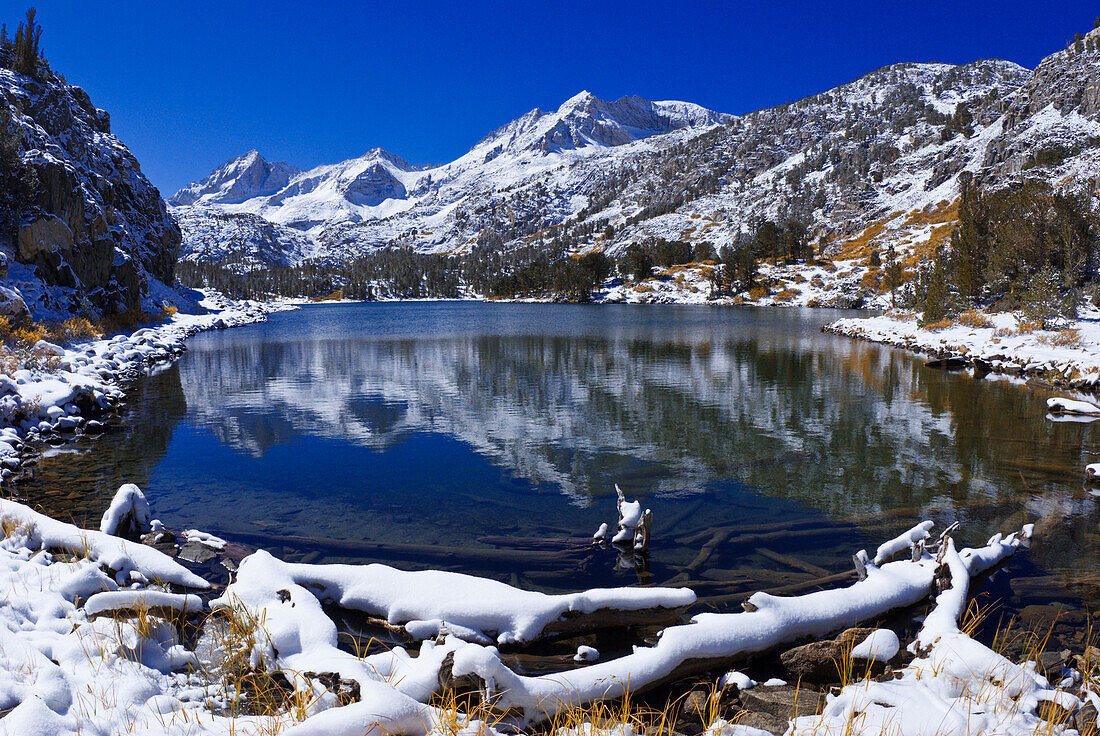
[[448, 422]]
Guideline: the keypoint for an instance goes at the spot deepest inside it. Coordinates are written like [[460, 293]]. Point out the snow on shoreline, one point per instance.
[[90, 644], [91, 376], [84, 652], [1069, 356]]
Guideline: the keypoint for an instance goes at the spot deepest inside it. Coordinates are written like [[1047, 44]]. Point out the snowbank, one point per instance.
[[1070, 356], [131, 561]]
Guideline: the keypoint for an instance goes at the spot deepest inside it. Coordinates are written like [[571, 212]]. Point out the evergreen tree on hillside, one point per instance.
[[26, 51], [970, 241]]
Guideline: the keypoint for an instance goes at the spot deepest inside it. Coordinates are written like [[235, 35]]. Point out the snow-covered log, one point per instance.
[[130, 602], [956, 685], [429, 602], [1060, 405], [715, 640], [131, 561]]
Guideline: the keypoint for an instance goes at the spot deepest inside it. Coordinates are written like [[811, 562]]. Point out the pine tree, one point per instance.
[[970, 241], [937, 292], [26, 45]]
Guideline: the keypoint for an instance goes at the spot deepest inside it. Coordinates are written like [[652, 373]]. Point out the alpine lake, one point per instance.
[[487, 438]]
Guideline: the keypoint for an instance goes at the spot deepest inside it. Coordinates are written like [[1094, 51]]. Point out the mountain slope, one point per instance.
[[873, 165], [369, 201], [237, 180]]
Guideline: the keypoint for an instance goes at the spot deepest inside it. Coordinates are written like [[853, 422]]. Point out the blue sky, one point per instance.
[[189, 85]]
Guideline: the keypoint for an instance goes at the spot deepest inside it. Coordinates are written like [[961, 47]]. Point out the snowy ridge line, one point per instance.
[[1000, 348], [92, 376]]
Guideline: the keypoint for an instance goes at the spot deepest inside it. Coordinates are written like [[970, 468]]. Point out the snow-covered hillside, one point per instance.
[[869, 165], [378, 198]]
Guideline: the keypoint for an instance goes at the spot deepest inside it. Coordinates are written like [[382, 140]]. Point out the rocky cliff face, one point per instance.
[[82, 228]]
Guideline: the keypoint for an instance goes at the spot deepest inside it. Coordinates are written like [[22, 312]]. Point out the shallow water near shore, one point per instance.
[[487, 438]]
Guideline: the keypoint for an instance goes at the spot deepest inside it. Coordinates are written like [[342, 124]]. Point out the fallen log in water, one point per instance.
[[790, 561], [488, 558], [714, 641], [1072, 406], [537, 543], [430, 603]]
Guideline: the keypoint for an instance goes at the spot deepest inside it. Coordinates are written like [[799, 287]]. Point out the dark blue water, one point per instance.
[[502, 429]]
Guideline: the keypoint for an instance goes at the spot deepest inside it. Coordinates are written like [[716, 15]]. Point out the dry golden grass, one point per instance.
[[1069, 337], [334, 296], [786, 295], [1026, 328], [942, 324], [974, 318], [758, 292], [942, 218], [862, 244]]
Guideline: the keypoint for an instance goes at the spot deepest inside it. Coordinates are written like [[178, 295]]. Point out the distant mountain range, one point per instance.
[[894, 141], [369, 201]]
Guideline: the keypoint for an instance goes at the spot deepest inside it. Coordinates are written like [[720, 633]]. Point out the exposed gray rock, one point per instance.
[[783, 702], [86, 218]]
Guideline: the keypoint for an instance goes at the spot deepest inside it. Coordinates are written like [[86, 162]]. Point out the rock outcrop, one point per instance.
[[84, 229]]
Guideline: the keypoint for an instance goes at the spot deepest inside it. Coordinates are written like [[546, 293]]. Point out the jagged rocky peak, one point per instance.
[[80, 225], [237, 180], [586, 120]]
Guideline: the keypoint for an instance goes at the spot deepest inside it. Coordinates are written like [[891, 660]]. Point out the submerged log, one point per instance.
[[490, 558], [790, 561]]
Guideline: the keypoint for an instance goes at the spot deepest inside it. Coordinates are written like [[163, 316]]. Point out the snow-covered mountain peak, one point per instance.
[[238, 179], [585, 119]]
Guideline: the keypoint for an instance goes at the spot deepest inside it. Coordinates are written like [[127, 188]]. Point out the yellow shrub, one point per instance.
[[940, 325], [974, 318], [1026, 328], [1067, 338], [758, 292], [74, 328]]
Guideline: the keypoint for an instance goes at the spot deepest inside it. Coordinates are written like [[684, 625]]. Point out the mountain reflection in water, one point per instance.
[[446, 423]]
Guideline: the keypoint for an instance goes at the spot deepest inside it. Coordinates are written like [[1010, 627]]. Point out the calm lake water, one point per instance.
[[498, 431]]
